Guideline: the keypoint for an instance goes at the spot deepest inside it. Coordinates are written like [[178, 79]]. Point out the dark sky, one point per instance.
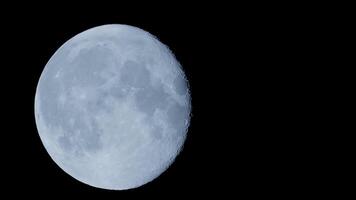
[[239, 65], [33, 36]]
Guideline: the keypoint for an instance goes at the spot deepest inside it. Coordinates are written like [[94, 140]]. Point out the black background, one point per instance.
[[241, 70], [199, 41]]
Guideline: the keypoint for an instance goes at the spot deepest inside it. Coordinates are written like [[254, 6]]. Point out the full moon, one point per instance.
[[112, 107]]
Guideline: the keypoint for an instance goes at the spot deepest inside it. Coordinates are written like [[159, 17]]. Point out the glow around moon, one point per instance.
[[112, 107]]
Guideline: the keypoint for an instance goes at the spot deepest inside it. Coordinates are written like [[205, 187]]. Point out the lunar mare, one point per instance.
[[112, 107]]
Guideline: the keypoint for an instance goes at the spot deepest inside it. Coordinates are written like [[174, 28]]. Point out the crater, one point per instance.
[[180, 84], [177, 116]]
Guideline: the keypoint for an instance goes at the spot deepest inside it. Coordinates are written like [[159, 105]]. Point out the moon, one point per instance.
[[113, 107]]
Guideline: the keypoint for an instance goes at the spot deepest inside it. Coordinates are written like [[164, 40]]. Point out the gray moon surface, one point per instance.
[[112, 107]]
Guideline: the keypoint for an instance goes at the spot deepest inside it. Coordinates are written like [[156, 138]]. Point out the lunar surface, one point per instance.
[[112, 107]]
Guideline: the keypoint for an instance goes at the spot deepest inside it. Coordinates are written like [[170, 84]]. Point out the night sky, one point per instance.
[[239, 65]]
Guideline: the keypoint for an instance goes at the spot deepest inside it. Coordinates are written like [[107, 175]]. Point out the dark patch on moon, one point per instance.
[[151, 98], [134, 74]]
